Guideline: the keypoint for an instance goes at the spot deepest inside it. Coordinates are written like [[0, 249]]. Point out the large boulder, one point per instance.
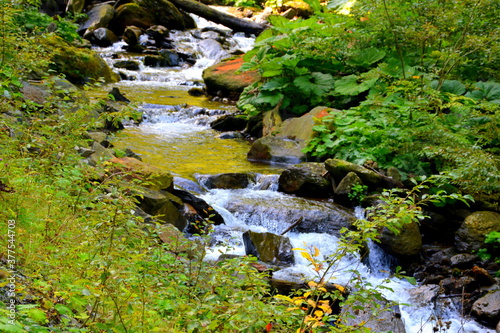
[[131, 14], [157, 179], [471, 234], [98, 17], [163, 205], [78, 65], [229, 123], [487, 308], [407, 243], [277, 150], [166, 14], [268, 247], [301, 128], [306, 180], [103, 37], [223, 80]]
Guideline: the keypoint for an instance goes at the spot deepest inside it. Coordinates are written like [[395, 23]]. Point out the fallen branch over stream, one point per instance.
[[216, 16]]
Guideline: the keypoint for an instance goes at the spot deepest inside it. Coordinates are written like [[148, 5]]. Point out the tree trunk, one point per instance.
[[213, 15]]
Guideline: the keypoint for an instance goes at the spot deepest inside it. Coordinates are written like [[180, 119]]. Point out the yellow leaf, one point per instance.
[[318, 313], [311, 303], [339, 287], [299, 249], [312, 284], [316, 251], [306, 255]]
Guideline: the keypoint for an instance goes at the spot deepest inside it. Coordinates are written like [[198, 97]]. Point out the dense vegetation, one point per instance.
[[417, 85], [75, 258]]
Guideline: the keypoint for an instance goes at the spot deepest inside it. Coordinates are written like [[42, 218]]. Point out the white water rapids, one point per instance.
[[169, 134]]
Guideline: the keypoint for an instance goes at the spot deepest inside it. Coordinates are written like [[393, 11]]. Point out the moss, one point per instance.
[[78, 64]]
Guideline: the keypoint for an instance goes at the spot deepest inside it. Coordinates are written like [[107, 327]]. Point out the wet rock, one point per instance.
[[306, 180], [170, 58], [118, 96], [196, 92], [269, 248], [463, 260], [229, 123], [458, 286], [223, 81], [471, 234], [394, 173], [103, 37], [157, 179], [340, 168], [228, 181], [407, 243], [212, 35], [487, 308], [98, 17], [483, 277], [271, 149], [201, 208], [382, 321], [425, 294], [230, 135], [78, 65], [345, 187], [131, 65], [163, 206], [131, 35], [158, 32], [187, 185]]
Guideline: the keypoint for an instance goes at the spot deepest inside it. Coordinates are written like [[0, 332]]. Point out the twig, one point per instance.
[[294, 224]]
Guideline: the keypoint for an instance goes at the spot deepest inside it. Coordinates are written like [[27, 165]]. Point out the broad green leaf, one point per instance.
[[366, 57], [349, 85], [450, 86], [489, 91], [37, 315]]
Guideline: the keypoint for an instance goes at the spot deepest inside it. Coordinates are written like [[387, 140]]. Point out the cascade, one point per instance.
[[177, 137]]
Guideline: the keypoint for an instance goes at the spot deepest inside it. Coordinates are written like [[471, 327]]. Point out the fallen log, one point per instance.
[[216, 16]]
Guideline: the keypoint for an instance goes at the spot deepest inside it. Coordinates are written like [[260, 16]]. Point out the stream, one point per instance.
[[175, 136]]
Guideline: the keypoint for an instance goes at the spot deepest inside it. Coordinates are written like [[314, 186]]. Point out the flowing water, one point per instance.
[[175, 136]]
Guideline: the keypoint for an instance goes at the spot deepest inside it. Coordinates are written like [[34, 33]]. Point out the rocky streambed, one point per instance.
[[258, 191]]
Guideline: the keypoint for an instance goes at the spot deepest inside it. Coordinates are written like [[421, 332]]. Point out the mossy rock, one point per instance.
[[156, 178], [131, 14], [472, 233], [78, 65], [223, 78], [166, 14]]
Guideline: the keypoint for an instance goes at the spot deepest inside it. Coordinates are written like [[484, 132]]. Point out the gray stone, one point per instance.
[[131, 35], [98, 17], [104, 37], [306, 180], [345, 186], [300, 128], [487, 308], [212, 49], [270, 149], [269, 248], [463, 260]]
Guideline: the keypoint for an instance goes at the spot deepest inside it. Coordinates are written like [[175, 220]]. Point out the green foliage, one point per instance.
[[243, 3], [357, 193], [491, 249]]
